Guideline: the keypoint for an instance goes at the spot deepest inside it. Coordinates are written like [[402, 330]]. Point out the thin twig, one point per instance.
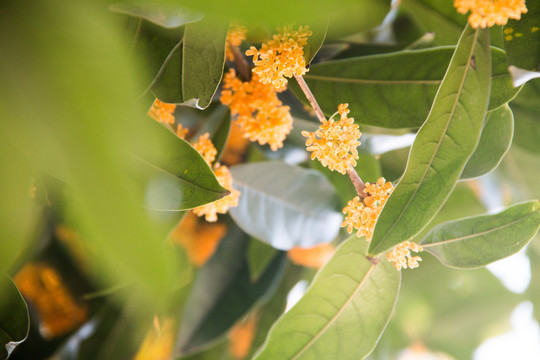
[[357, 181], [373, 260], [242, 65], [310, 97]]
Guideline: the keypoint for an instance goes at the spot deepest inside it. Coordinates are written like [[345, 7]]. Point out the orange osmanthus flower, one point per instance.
[[362, 214], [281, 57], [235, 36], [241, 336], [208, 151], [335, 142], [221, 206], [162, 112], [486, 13], [259, 113], [199, 238], [313, 257], [59, 311], [158, 342], [401, 257]]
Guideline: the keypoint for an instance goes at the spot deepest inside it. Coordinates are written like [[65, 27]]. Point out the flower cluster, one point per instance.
[[314, 257], [237, 34], [162, 112], [221, 206], [335, 142], [259, 113], [205, 147], [486, 13], [281, 57], [208, 151], [362, 214], [401, 256]]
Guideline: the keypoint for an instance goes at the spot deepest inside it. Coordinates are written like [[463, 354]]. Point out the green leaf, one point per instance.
[[526, 109], [164, 15], [203, 60], [285, 206], [223, 292], [342, 314], [442, 146], [193, 68], [393, 90], [439, 16], [479, 241], [221, 133], [494, 143], [175, 180], [14, 322], [522, 38], [86, 119]]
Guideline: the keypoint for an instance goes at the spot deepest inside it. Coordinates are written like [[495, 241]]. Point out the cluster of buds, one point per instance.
[[486, 13], [401, 257]]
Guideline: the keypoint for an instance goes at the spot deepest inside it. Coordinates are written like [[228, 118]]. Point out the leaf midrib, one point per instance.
[[428, 165], [333, 319], [461, 238]]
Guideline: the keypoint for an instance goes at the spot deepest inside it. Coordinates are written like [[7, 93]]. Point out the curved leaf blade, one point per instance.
[[394, 90], [494, 143], [177, 179], [223, 292], [481, 240], [442, 146], [343, 313], [14, 321], [170, 16], [192, 70], [285, 206]]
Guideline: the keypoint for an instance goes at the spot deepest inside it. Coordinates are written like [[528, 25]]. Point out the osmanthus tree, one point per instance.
[[171, 170]]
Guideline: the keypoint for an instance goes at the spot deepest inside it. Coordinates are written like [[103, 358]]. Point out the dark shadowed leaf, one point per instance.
[[223, 292], [14, 322], [394, 90], [285, 206], [495, 141], [481, 240], [442, 146], [522, 38], [526, 108], [343, 313]]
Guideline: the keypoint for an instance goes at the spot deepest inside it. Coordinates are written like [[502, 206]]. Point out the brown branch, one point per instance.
[[310, 97], [357, 181], [242, 66]]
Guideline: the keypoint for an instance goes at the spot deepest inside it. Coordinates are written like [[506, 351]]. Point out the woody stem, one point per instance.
[[310, 97], [242, 65], [357, 181]]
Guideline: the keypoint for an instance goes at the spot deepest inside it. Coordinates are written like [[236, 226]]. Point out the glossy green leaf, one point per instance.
[[522, 38], [285, 206], [494, 143], [479, 241], [342, 314], [159, 14], [221, 133], [223, 292], [192, 70], [442, 146], [394, 90], [526, 108], [175, 180], [14, 322], [203, 60]]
